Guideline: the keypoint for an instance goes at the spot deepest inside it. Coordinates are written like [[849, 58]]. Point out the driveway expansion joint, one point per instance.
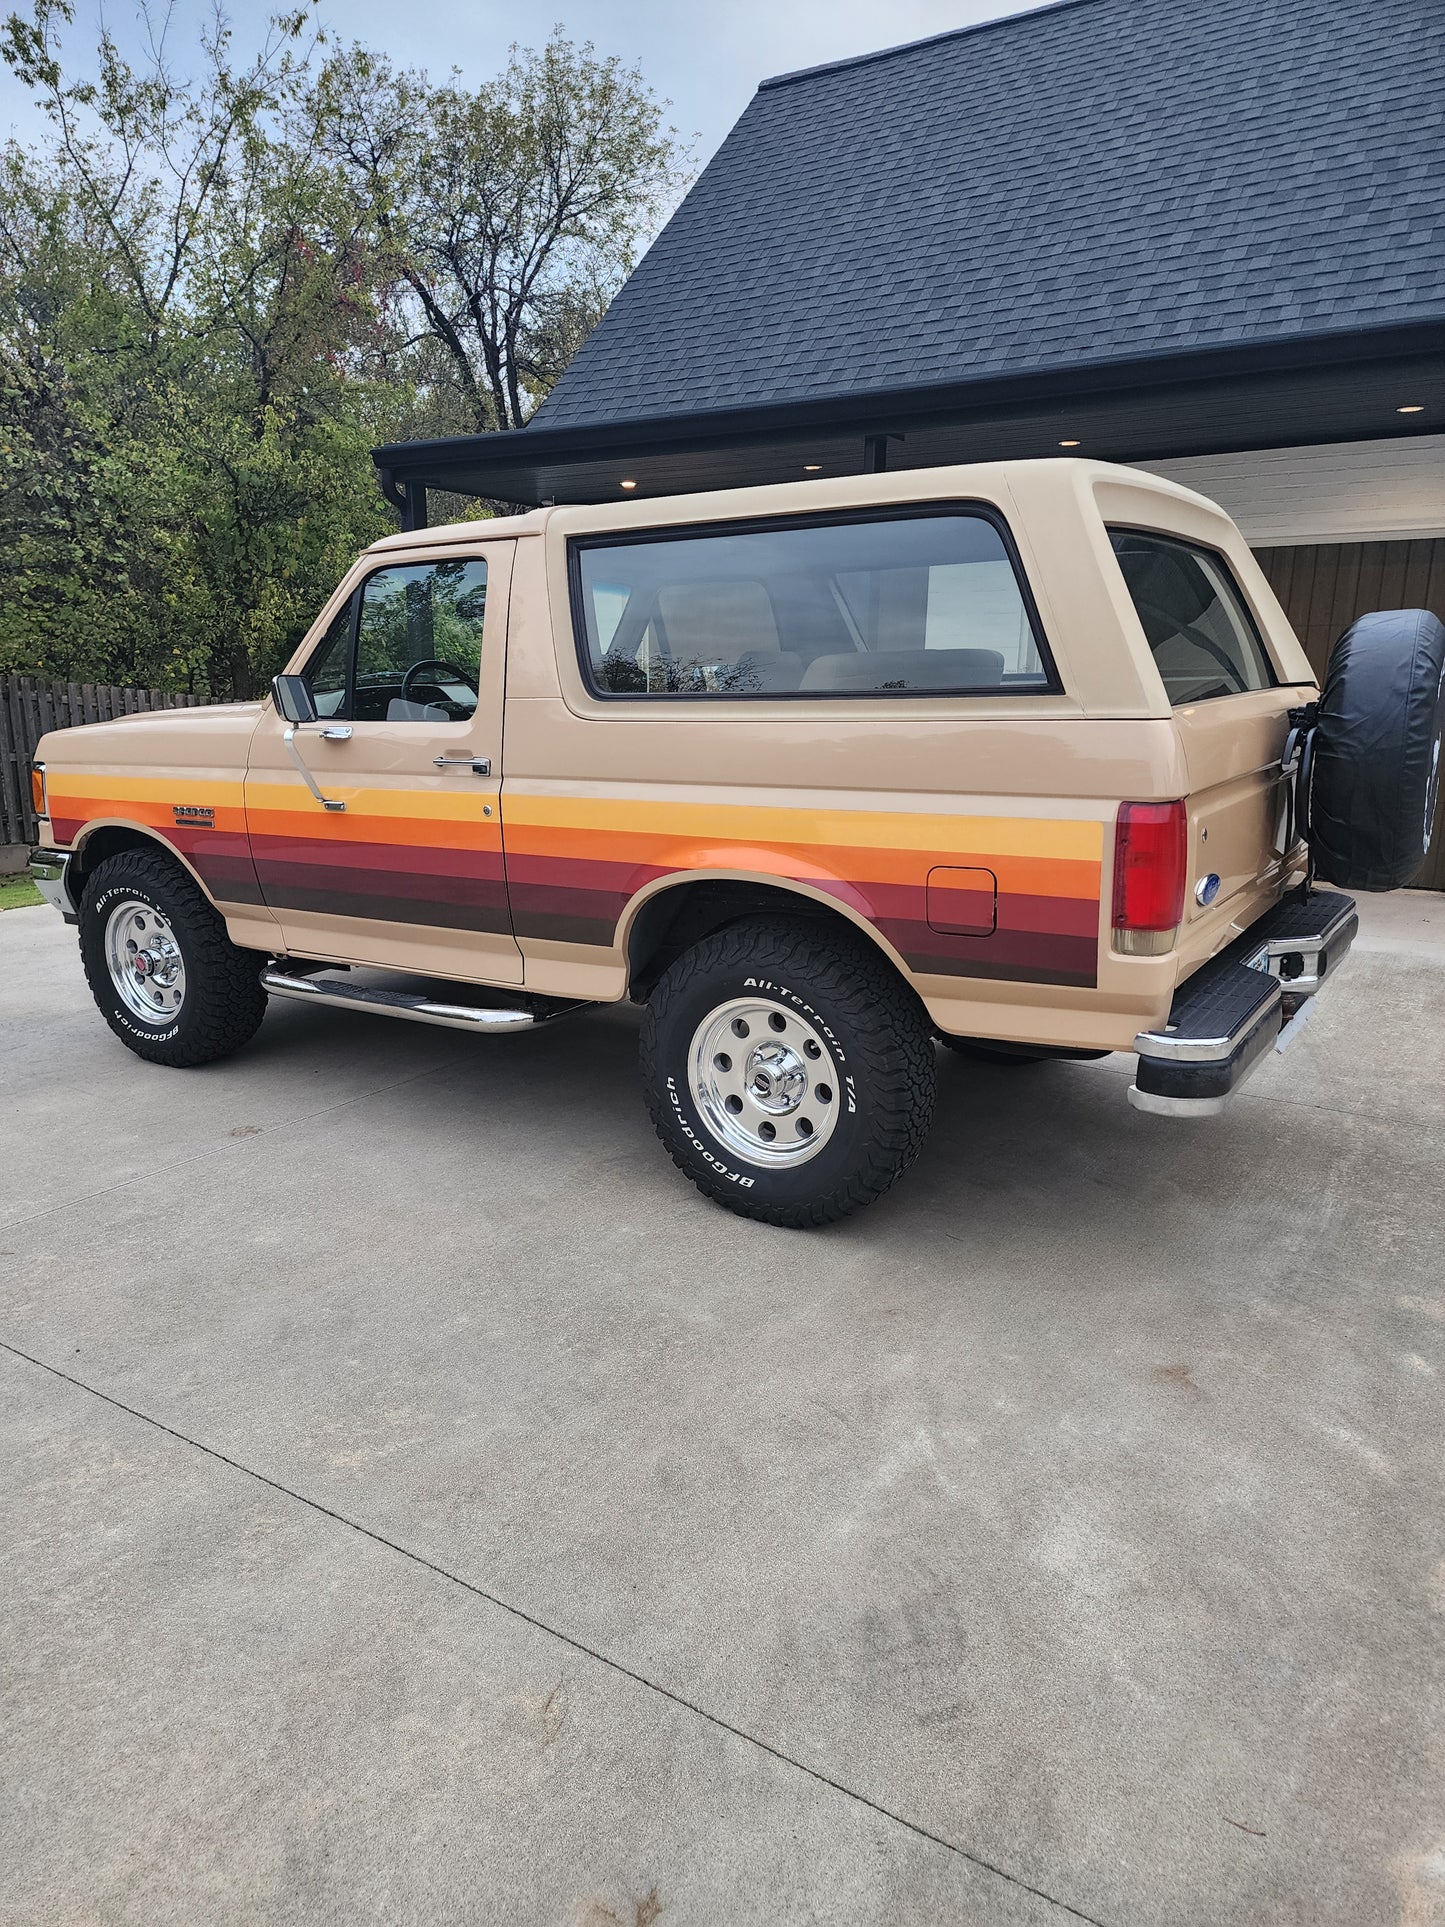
[[579, 1646]]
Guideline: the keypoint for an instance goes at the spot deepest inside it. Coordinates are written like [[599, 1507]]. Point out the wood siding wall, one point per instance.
[[1325, 587]]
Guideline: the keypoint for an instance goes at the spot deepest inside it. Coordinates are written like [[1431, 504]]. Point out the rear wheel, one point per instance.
[[163, 972], [789, 1072]]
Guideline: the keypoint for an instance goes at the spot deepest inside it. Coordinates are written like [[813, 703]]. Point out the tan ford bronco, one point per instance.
[[1023, 757]]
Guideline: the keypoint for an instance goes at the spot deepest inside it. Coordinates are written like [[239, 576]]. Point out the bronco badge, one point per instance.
[[199, 814]]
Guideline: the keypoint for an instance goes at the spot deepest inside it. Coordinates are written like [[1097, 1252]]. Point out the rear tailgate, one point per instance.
[[1238, 814]]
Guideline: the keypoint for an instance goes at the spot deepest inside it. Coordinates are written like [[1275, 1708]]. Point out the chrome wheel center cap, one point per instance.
[[776, 1079]]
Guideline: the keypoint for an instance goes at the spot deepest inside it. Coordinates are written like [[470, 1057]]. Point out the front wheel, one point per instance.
[[163, 972], [788, 1070]]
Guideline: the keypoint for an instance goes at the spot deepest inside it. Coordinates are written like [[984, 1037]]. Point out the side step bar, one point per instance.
[[404, 1003]]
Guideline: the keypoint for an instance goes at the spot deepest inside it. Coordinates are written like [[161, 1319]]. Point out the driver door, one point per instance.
[[376, 830]]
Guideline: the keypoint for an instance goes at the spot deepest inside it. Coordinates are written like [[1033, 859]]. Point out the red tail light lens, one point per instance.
[[1150, 848]]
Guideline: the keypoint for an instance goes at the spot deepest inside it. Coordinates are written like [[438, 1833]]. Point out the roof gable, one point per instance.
[[1104, 180]]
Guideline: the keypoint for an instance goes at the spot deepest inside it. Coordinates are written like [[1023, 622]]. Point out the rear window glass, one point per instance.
[[924, 603], [1202, 636]]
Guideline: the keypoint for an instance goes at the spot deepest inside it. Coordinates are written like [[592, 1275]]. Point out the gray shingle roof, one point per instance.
[[1098, 181]]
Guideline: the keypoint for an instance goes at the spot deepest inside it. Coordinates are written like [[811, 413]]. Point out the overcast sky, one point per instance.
[[706, 59]]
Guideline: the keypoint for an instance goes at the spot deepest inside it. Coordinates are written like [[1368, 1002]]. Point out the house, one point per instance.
[[1203, 236]]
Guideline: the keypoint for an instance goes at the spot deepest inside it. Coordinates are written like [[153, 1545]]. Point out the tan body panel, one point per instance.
[[918, 819], [161, 773], [409, 876]]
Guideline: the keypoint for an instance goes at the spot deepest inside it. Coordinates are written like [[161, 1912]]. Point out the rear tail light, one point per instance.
[[37, 789], [1150, 852]]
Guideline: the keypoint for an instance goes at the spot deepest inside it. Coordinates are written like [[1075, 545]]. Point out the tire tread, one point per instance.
[[892, 1036], [224, 979]]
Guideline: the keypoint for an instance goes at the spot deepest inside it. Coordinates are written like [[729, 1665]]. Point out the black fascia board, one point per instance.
[[874, 411]]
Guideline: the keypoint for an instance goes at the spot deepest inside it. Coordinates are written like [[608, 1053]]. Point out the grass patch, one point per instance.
[[18, 893]]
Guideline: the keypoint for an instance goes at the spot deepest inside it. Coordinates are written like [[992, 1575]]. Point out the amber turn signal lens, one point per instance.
[[37, 789]]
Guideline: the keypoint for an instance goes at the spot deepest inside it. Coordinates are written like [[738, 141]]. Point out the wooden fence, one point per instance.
[[29, 706]]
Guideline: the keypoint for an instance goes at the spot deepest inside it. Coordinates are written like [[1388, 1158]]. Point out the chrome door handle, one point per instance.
[[478, 765], [336, 734]]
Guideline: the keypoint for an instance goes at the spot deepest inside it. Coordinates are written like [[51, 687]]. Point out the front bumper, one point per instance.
[[1229, 1014], [50, 873]]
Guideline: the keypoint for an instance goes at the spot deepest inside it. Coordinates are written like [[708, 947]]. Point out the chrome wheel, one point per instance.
[[764, 1081], [145, 961]]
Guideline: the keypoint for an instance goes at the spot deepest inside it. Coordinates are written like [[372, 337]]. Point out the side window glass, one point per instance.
[[1199, 629], [419, 641], [877, 605], [326, 671]]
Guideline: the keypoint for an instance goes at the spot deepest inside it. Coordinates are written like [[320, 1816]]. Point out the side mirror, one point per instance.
[[294, 699]]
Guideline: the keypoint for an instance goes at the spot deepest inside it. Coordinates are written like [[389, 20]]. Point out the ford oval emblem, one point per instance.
[[1207, 889]]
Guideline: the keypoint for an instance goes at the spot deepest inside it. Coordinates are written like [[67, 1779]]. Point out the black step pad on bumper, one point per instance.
[[1229, 1013]]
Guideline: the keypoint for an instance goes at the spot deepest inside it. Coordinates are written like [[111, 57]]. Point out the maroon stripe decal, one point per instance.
[[929, 965], [377, 905], [379, 858], [1039, 939]]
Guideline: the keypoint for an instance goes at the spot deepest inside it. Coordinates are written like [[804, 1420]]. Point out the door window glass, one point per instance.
[[1200, 632], [328, 668], [418, 646], [925, 602], [419, 641]]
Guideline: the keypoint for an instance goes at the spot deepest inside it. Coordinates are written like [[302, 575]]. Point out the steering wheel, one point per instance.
[[435, 662]]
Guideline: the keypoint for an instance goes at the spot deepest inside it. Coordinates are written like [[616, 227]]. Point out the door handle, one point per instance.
[[478, 765], [337, 733]]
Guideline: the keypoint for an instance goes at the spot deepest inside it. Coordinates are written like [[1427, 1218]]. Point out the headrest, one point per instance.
[[717, 621]]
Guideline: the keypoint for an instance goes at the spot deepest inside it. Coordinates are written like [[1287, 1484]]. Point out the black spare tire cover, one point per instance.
[[1377, 754]]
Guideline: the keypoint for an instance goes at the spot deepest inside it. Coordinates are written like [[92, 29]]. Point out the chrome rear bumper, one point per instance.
[[1229, 1014], [50, 873]]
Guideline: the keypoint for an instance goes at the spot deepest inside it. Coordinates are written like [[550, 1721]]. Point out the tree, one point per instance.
[[510, 214], [187, 340], [219, 290]]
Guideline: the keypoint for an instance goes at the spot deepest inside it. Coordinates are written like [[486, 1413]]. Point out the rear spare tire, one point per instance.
[[1376, 780]]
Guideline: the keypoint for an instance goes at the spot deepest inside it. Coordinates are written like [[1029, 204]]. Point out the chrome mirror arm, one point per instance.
[[326, 802]]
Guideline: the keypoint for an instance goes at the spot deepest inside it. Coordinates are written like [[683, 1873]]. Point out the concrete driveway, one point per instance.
[[420, 1506]]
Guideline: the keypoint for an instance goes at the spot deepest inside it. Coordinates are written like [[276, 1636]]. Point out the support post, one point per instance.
[[407, 498], [875, 452]]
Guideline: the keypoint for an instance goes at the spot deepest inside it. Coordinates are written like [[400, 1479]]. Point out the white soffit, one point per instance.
[[1336, 492]]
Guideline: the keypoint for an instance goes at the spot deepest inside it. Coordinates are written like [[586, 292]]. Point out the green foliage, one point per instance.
[[216, 296], [19, 893]]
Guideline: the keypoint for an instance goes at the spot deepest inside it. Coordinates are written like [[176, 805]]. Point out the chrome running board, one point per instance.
[[402, 1003]]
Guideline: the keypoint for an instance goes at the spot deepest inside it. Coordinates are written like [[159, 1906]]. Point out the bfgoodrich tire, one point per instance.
[[788, 1070], [163, 972], [1376, 780]]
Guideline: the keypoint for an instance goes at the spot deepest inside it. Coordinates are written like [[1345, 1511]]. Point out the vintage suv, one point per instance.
[[1019, 756]]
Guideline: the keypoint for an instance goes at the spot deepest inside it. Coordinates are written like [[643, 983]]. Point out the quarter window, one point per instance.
[[1199, 629], [411, 651], [928, 604]]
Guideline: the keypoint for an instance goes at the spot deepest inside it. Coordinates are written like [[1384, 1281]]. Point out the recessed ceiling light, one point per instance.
[[629, 485], [1411, 408], [1068, 444], [811, 468]]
